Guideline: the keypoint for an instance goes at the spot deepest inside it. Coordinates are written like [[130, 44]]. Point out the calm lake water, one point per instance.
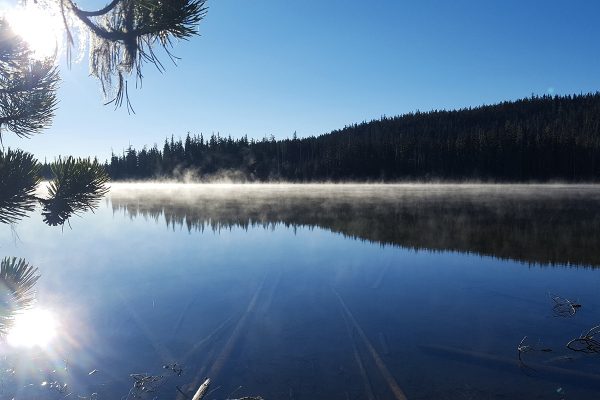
[[314, 292]]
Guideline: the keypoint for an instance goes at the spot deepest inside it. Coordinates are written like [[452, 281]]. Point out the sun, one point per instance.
[[40, 28], [33, 328]]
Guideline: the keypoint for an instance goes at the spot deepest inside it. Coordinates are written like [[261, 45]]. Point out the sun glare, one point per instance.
[[41, 30], [33, 328]]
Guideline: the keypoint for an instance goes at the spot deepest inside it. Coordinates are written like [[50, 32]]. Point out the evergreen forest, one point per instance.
[[541, 138]]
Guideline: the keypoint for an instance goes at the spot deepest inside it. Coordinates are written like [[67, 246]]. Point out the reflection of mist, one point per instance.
[[546, 224]]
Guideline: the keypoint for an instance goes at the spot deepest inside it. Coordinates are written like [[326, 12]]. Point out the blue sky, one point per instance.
[[272, 67]]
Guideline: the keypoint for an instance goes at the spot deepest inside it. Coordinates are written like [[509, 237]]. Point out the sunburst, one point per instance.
[[40, 27], [33, 328]]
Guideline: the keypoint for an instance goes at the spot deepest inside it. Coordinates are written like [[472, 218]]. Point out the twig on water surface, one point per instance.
[[586, 342], [523, 348], [202, 391], [393, 385], [564, 307]]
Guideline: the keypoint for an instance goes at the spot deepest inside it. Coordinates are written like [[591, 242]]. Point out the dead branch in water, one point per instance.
[[586, 342], [202, 390]]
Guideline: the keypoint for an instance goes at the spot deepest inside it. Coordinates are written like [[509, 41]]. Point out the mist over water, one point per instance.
[[545, 224], [315, 291]]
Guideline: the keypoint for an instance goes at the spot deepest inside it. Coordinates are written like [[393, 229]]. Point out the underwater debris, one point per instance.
[[175, 368], [144, 383], [61, 388]]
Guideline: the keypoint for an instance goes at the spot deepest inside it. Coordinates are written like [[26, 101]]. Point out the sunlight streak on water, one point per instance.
[[33, 328]]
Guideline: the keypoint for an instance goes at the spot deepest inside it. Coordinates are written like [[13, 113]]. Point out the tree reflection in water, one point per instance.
[[541, 224]]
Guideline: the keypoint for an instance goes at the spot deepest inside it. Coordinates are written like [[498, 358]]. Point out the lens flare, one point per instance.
[[33, 328], [42, 31]]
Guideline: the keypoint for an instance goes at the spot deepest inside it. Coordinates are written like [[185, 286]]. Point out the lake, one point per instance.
[[314, 292]]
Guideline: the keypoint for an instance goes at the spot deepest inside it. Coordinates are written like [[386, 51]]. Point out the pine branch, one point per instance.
[[17, 282], [125, 33], [18, 181], [27, 87], [78, 186], [99, 12]]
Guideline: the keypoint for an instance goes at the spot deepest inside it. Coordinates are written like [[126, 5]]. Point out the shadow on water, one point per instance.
[[541, 224]]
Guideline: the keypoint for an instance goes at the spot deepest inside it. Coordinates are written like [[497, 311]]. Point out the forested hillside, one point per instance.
[[534, 139]]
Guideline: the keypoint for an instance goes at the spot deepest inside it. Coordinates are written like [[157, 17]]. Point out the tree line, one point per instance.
[[541, 138]]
